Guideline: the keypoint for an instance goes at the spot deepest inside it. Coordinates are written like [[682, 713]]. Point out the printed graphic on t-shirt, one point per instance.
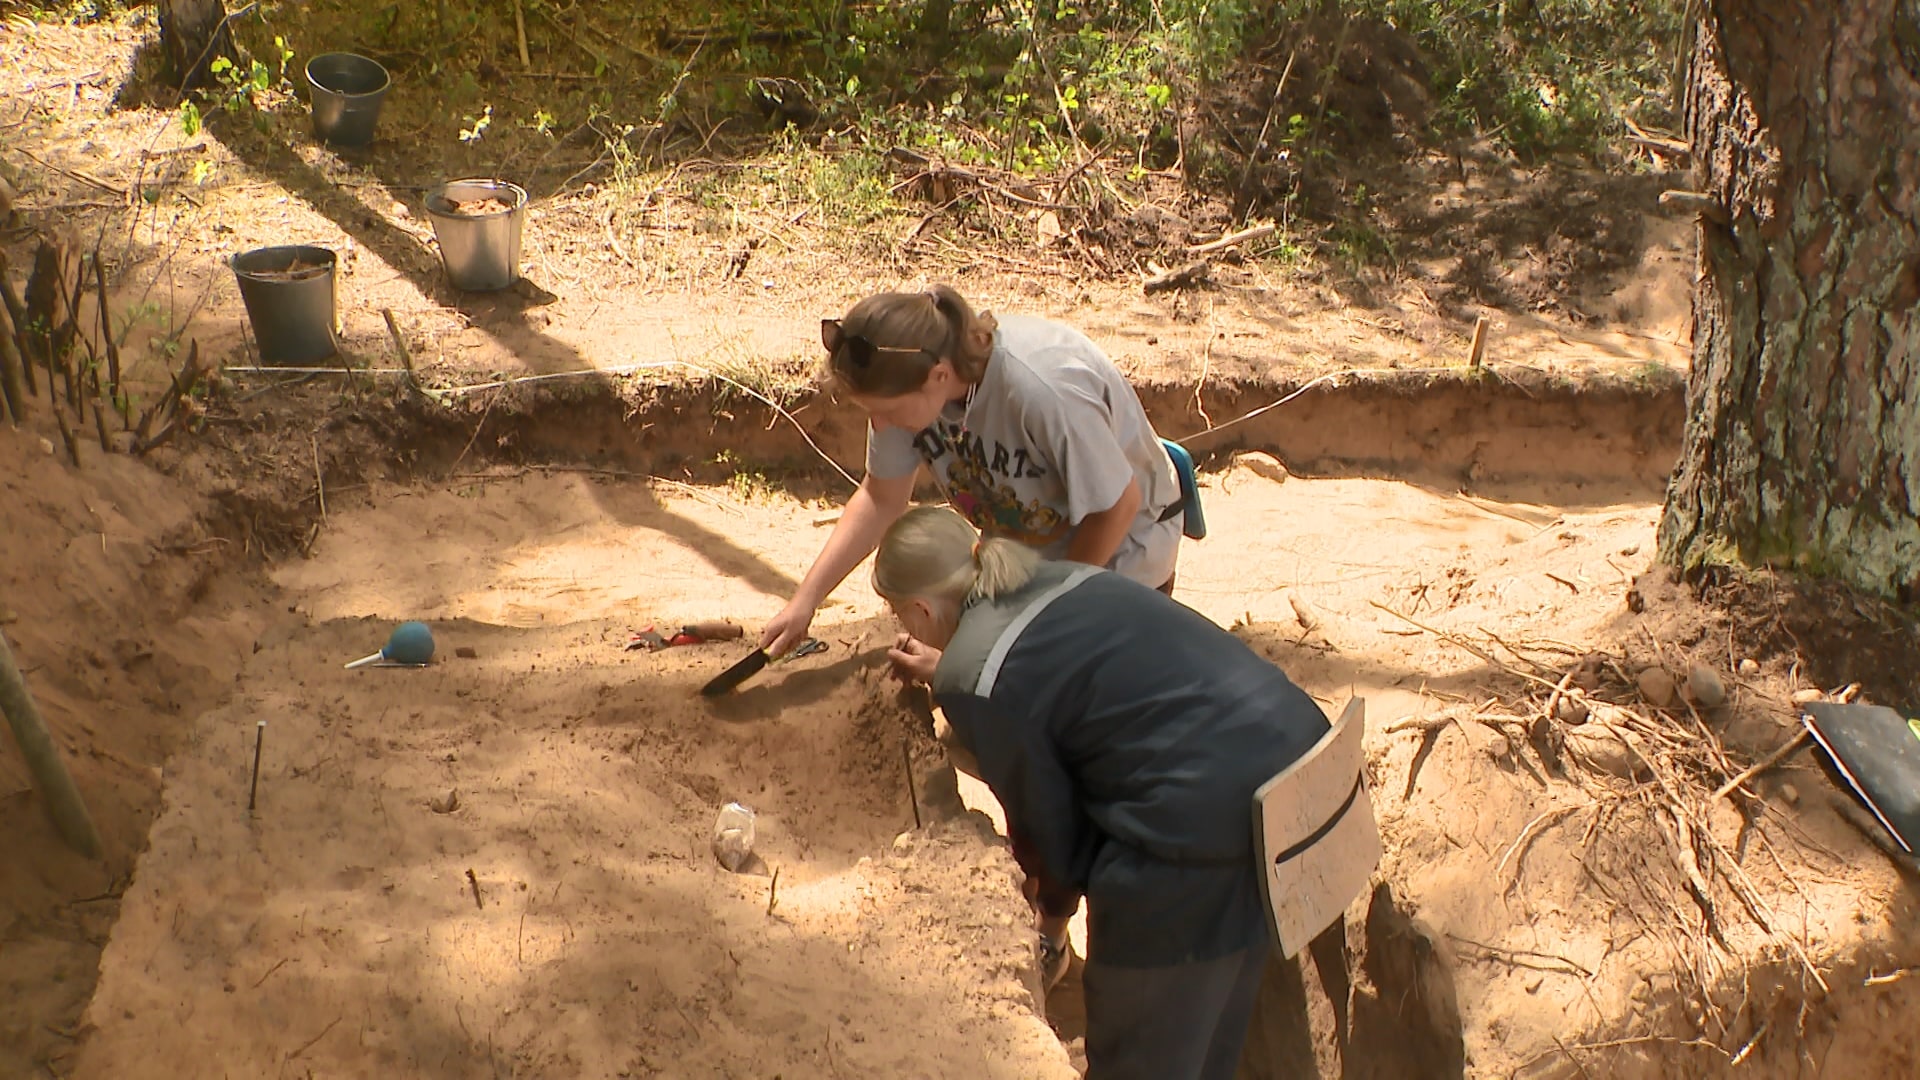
[[975, 476]]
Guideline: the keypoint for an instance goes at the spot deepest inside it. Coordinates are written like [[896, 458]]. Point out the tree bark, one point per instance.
[[192, 33], [1802, 447]]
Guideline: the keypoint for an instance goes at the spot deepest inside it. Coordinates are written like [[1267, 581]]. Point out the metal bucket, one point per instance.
[[290, 302], [480, 251], [347, 92]]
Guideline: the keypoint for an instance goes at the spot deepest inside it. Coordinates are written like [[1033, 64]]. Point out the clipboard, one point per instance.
[[1315, 835]]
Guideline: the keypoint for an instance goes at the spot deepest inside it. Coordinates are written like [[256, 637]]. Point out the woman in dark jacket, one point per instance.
[[1124, 735]]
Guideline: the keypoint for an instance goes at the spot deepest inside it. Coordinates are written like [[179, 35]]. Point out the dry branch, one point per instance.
[[1770, 761], [1256, 232], [1184, 277]]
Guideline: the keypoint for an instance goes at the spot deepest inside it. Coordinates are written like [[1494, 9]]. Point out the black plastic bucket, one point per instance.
[[347, 92], [289, 296]]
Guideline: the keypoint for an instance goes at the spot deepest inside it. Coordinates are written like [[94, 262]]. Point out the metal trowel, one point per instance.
[[746, 668]]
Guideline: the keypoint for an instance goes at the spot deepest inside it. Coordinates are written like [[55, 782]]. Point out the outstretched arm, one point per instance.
[[877, 503]]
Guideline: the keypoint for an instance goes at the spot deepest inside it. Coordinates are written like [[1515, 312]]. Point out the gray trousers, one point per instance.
[[1171, 1023]]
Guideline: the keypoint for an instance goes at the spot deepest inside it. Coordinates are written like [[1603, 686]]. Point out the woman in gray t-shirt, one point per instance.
[[1025, 424]]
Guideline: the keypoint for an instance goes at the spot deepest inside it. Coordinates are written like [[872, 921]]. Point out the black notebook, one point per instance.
[[1877, 753]]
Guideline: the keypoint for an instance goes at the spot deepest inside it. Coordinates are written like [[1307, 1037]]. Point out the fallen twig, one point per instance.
[[1191, 274], [1502, 952], [1770, 761], [308, 1045], [1256, 232]]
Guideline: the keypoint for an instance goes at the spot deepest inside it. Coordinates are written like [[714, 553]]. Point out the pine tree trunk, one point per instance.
[[188, 31], [1802, 447]]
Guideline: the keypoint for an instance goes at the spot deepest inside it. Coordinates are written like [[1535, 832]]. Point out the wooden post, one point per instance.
[[50, 774], [1477, 354]]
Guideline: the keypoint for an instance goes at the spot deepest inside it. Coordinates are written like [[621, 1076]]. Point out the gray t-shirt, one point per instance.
[[1052, 433]]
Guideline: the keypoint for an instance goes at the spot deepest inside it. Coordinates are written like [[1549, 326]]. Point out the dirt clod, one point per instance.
[[467, 652], [1705, 687], [1749, 666], [1657, 687], [445, 804], [1806, 696]]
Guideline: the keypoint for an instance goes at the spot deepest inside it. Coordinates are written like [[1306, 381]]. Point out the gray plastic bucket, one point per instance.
[[481, 252], [291, 312], [347, 92]]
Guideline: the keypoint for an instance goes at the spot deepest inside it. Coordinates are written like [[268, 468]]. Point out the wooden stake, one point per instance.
[[253, 789], [400, 343], [319, 481], [913, 794], [1478, 352], [50, 774]]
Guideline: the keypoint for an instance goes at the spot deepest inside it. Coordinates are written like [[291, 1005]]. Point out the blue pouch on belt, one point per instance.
[[1194, 523]]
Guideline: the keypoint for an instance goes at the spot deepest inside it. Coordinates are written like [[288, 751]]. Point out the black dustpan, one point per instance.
[[1876, 752]]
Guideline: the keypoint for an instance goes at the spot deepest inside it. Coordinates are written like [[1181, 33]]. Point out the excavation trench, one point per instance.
[[500, 865]]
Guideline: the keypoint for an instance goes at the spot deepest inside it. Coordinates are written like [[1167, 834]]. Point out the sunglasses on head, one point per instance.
[[859, 351]]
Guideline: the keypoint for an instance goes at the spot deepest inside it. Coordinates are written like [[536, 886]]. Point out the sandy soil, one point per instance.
[[336, 926]]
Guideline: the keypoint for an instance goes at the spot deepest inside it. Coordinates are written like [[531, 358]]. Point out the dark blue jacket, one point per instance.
[[1124, 734]]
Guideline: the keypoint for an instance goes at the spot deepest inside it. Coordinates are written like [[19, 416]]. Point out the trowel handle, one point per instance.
[[716, 630], [365, 660]]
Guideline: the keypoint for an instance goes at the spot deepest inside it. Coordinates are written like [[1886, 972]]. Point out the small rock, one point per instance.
[[445, 804], [1630, 549], [1656, 686], [1749, 666], [903, 844], [1571, 709], [1705, 688], [467, 652], [1807, 696], [1790, 794], [1636, 603]]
